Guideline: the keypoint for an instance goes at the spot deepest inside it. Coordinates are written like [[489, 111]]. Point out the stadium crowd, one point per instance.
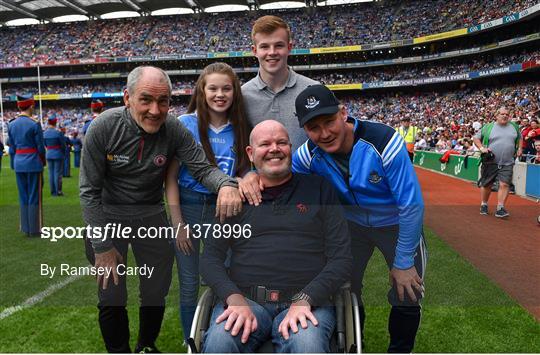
[[76, 87], [211, 32], [444, 120], [425, 69], [449, 120], [372, 74]]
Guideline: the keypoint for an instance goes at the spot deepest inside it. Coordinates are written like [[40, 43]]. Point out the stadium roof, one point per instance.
[[48, 9]]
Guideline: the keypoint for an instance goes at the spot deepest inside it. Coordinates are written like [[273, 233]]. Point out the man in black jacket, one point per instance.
[[285, 270]]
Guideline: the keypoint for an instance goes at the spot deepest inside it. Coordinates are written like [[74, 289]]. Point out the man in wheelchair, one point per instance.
[[284, 272]]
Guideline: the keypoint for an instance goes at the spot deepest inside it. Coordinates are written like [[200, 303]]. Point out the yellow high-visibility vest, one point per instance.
[[409, 136]]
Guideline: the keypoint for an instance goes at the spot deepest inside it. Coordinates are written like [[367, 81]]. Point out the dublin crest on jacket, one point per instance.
[[374, 177]]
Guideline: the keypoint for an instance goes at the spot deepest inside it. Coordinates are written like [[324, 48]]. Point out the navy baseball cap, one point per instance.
[[314, 101]]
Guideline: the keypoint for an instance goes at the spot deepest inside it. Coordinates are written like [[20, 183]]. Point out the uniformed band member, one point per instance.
[[77, 147], [1, 152], [27, 153], [56, 148], [67, 155], [96, 107]]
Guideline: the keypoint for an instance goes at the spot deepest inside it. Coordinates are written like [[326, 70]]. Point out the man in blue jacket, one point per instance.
[[27, 157], [368, 164], [56, 148]]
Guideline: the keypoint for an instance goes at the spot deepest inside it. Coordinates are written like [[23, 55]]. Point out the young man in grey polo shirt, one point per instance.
[[271, 94]]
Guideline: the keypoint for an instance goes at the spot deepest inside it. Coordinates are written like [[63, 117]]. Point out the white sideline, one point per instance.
[[38, 297]]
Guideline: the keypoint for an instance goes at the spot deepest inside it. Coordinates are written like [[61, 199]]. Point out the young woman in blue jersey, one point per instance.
[[217, 120]]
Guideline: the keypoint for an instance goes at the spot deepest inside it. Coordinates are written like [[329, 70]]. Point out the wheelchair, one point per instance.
[[346, 337]]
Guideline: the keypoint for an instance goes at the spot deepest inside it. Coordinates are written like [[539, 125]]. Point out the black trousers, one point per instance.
[[113, 317], [405, 315]]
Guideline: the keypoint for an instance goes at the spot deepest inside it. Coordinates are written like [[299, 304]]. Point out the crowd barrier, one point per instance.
[[459, 166], [526, 178], [532, 186]]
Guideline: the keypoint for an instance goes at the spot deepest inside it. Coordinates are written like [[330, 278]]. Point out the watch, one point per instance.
[[301, 296]]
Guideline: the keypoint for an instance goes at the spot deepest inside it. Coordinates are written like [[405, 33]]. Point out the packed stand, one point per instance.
[[449, 120], [203, 33], [445, 120], [81, 88], [374, 74], [425, 69]]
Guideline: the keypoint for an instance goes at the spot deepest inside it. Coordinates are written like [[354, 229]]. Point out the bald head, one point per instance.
[[269, 150], [147, 72], [265, 128]]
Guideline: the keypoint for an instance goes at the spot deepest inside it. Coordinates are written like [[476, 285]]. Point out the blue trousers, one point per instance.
[[29, 186], [313, 339], [55, 175], [77, 159], [197, 208], [67, 165]]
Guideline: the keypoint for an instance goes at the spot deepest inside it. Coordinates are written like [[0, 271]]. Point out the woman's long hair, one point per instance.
[[236, 114]]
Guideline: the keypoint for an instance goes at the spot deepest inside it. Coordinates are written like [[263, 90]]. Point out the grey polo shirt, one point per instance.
[[502, 142], [262, 103]]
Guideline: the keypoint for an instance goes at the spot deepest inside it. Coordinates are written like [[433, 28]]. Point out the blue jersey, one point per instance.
[[222, 143], [55, 143], [381, 187], [26, 147]]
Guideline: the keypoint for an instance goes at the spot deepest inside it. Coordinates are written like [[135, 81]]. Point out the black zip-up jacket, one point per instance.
[[123, 168], [299, 242]]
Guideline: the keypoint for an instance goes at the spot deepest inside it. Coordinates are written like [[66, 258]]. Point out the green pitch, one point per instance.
[[463, 311]]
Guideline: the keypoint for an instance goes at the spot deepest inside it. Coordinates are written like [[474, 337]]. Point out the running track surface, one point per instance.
[[507, 250]]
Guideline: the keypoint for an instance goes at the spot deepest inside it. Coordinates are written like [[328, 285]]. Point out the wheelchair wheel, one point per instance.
[[200, 322]]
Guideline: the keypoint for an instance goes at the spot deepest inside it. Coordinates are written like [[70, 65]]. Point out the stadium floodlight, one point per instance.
[[172, 11], [23, 22], [282, 5], [341, 2], [226, 8], [120, 14], [70, 18]]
